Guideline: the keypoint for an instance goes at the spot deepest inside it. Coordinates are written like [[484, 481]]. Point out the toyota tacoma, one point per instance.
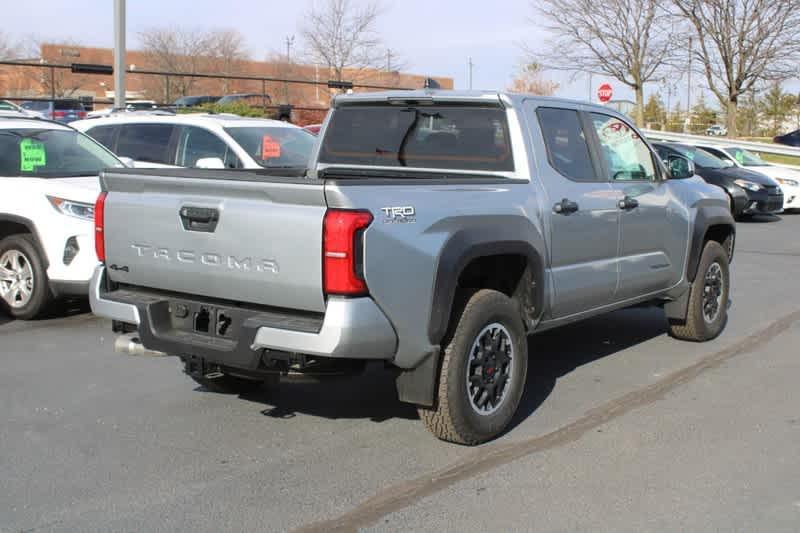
[[433, 231]]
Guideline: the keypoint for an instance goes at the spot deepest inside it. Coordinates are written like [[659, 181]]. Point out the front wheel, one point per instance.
[[24, 287], [483, 372], [707, 312]]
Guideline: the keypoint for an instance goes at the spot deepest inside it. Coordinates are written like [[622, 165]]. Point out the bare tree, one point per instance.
[[8, 49], [628, 40], [227, 48], [741, 43], [341, 36], [530, 80]]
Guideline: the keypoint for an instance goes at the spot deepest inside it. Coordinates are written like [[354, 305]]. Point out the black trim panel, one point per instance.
[[707, 216], [31, 227], [496, 236]]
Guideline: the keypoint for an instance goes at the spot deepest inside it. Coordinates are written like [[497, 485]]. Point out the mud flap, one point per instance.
[[418, 385]]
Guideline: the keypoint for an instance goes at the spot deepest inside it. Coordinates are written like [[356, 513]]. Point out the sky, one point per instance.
[[433, 37]]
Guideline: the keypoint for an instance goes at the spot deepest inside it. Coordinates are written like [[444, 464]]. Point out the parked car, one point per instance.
[[789, 139], [434, 231], [194, 101], [787, 178], [749, 193], [5, 105], [49, 175], [64, 110], [717, 130], [251, 99], [202, 140], [130, 105]]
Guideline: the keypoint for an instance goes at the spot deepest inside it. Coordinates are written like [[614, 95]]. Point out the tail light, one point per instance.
[[99, 226], [342, 266], [82, 114], [59, 114]]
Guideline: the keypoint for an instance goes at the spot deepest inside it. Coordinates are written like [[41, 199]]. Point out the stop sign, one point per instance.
[[604, 92]]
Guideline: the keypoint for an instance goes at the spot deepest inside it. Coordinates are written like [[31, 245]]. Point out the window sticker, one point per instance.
[[270, 148], [739, 157], [31, 155]]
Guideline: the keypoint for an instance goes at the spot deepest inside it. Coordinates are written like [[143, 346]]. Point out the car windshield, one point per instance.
[[701, 158], [36, 105], [273, 147], [45, 153], [746, 158], [8, 106]]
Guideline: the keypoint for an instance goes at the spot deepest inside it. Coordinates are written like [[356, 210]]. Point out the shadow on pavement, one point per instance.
[[558, 352], [758, 219], [60, 309], [553, 354]]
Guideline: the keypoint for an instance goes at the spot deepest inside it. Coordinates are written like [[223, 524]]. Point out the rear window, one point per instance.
[[36, 105], [422, 136], [69, 104]]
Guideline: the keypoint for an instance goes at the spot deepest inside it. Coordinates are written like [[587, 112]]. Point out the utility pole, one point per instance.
[[388, 60], [590, 85], [289, 43], [119, 53], [471, 64], [689, 89]]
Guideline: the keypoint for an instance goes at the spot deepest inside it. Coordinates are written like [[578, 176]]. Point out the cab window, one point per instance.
[[567, 150], [624, 153]]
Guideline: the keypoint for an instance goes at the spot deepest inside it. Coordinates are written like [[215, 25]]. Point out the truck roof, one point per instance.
[[461, 96]]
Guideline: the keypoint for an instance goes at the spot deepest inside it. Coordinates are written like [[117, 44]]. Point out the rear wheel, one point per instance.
[[483, 372], [707, 312], [24, 287]]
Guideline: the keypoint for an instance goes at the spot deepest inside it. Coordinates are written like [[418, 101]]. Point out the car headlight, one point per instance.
[[790, 183], [72, 208], [749, 185]]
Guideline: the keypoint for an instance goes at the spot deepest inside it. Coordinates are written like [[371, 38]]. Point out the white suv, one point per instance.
[[48, 175], [200, 140]]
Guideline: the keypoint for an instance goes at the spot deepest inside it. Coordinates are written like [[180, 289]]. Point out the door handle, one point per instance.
[[628, 203], [565, 207], [202, 219]]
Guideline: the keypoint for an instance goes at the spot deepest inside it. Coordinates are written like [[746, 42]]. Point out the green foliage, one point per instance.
[[776, 106], [654, 112], [702, 116], [237, 108]]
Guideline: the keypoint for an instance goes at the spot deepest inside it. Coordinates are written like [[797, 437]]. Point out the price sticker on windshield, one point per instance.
[[31, 155], [270, 148]]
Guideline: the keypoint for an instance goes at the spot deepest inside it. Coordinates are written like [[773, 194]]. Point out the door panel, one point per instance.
[[583, 243], [649, 253]]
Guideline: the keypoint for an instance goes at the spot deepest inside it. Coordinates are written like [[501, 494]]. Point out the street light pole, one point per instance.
[[289, 43], [119, 53], [471, 64]]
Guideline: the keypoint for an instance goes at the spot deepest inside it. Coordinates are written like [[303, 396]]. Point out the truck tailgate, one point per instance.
[[232, 235]]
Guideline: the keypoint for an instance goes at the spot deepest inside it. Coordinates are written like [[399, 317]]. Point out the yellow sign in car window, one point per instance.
[[31, 155]]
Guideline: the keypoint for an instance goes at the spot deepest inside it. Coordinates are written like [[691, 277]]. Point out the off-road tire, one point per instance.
[[695, 327], [452, 418], [228, 384], [41, 297]]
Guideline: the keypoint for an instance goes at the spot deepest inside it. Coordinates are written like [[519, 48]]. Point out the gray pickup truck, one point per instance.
[[433, 231]]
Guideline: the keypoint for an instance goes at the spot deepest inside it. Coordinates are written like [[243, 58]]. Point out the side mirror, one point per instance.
[[209, 162], [680, 167]]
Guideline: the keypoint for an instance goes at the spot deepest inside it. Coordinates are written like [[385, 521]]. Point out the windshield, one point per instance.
[[423, 136], [52, 154], [746, 158], [273, 147], [701, 158], [5, 105]]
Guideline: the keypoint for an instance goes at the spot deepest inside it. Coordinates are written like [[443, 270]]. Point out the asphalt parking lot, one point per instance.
[[621, 428]]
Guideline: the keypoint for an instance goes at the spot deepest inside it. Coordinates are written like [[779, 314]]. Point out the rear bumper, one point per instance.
[[353, 328]]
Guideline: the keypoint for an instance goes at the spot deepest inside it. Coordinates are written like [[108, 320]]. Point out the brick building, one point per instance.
[[16, 81]]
